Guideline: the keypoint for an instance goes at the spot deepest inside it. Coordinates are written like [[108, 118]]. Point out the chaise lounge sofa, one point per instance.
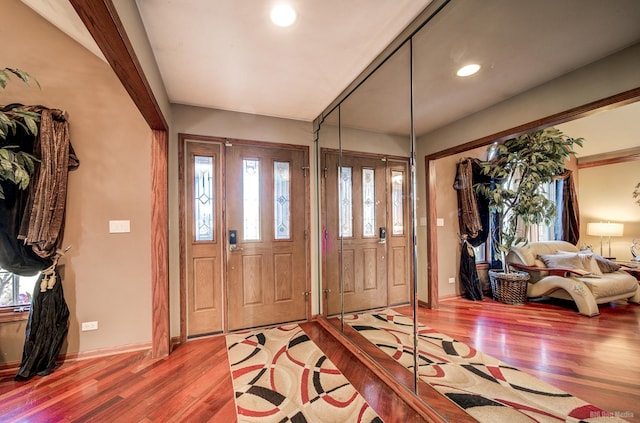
[[558, 269]]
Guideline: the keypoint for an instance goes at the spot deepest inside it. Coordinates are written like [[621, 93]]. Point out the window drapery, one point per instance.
[[31, 232], [570, 212]]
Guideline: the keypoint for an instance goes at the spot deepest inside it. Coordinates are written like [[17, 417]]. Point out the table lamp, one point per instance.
[[605, 230]]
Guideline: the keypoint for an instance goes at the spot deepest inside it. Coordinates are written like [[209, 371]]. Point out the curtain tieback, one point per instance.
[[49, 275]]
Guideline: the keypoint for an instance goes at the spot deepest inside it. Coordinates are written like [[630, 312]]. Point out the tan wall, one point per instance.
[[448, 235], [225, 124], [605, 194], [107, 276]]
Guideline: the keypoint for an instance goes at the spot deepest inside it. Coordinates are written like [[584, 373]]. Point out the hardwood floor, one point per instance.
[[193, 384], [595, 359]]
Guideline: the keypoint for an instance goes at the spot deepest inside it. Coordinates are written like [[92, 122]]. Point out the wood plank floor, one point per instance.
[[596, 359], [193, 384]]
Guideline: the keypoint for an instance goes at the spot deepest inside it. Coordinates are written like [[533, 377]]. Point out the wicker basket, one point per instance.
[[509, 288]]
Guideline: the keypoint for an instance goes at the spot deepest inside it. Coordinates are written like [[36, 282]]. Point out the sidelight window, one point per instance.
[[251, 199], [345, 215], [368, 202], [397, 205], [203, 198], [281, 203]]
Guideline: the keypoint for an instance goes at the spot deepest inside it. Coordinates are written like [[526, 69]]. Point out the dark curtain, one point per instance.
[[473, 210], [469, 273], [473, 220], [31, 225], [570, 212]]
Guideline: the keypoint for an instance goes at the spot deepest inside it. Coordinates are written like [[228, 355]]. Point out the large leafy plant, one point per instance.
[[16, 166], [519, 170]]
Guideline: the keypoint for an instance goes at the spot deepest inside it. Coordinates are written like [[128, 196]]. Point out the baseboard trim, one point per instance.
[[85, 355]]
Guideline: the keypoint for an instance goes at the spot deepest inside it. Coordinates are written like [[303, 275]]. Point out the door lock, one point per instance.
[[382, 231]]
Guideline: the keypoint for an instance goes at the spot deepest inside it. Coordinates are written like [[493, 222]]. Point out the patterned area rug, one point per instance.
[[483, 386], [280, 375]]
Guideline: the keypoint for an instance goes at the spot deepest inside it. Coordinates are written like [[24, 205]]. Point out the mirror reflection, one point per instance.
[[368, 219], [366, 145]]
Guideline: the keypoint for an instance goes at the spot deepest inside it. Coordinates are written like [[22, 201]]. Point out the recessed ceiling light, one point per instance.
[[468, 70], [283, 15]]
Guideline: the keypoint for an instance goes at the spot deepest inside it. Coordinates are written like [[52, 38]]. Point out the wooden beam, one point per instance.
[[101, 19], [614, 157], [159, 245], [104, 25]]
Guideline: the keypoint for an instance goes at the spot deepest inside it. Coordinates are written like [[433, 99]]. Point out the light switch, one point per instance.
[[439, 221], [119, 226], [423, 221]]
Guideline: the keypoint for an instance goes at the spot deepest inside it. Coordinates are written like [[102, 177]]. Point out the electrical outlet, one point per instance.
[[452, 280], [89, 326]]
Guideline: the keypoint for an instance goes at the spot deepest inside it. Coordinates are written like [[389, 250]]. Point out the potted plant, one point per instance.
[[15, 166], [519, 169]]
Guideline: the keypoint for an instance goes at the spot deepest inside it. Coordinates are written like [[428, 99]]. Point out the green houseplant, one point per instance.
[[16, 166], [519, 169]]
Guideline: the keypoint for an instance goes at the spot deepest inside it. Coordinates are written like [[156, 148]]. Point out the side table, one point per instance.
[[631, 267]]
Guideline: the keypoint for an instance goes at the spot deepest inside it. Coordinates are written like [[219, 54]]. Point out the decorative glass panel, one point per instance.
[[203, 198], [346, 202], [282, 205], [251, 199], [368, 202], [397, 204]]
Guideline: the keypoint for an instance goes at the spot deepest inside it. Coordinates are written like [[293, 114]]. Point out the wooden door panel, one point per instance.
[[251, 277], [283, 274], [370, 280], [267, 270], [203, 275], [204, 264]]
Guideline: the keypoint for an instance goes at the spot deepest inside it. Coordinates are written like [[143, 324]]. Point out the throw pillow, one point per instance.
[[562, 261], [605, 265], [588, 260]]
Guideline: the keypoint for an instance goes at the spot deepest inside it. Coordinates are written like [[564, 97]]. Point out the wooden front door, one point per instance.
[[204, 238], [266, 247], [354, 249]]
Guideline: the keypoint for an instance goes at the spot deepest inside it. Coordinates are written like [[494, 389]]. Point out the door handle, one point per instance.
[[382, 232], [233, 240]]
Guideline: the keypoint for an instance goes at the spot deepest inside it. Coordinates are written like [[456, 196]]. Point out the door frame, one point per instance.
[[182, 229]]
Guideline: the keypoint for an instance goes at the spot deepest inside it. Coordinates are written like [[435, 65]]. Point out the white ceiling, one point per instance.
[[226, 54]]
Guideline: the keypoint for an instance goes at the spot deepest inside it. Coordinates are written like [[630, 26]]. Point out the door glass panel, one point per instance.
[[203, 198], [281, 204], [346, 202], [368, 202], [397, 208], [251, 199]]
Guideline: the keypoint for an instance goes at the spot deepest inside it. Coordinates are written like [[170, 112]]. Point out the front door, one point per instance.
[[355, 233], [366, 233], [266, 230]]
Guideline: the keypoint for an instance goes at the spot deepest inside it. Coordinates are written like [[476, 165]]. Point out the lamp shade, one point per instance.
[[605, 229]]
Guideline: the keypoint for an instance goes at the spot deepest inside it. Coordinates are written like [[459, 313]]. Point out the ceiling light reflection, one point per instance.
[[283, 15], [468, 70]]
